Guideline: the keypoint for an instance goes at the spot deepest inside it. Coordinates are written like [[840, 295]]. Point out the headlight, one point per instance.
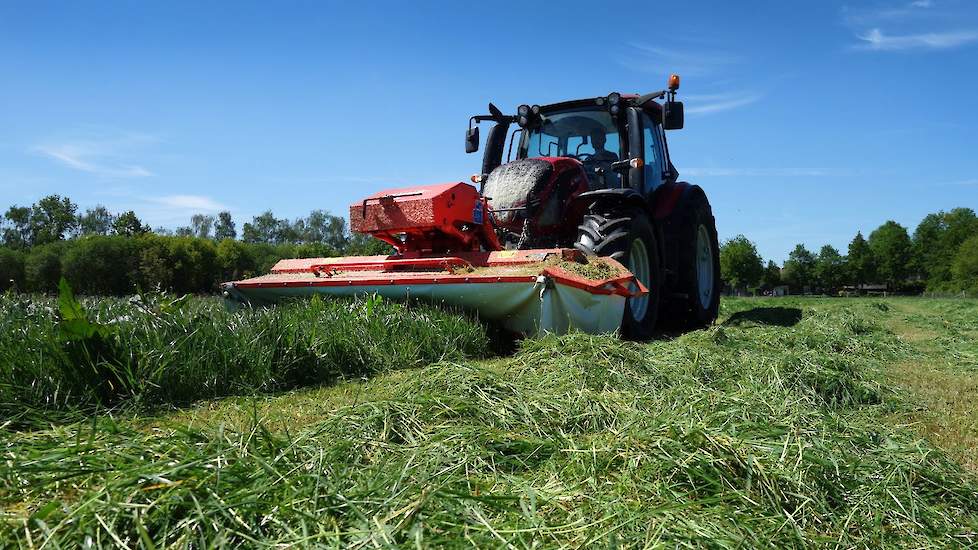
[[614, 98], [523, 110], [535, 109]]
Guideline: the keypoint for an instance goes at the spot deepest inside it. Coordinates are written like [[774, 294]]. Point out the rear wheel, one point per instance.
[[698, 300], [628, 237]]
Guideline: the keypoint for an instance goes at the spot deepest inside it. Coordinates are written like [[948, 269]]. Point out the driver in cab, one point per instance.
[[602, 155], [601, 158]]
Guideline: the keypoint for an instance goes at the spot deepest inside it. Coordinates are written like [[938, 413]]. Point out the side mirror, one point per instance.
[[472, 139], [672, 116]]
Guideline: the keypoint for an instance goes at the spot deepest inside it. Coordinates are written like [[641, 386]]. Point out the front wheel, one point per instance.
[[629, 238]]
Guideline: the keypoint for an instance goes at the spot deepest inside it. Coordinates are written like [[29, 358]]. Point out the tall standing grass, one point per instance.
[[151, 349]]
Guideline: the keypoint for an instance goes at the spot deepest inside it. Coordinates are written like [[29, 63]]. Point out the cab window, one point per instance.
[[652, 154]]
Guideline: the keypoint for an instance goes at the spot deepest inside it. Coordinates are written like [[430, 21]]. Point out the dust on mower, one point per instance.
[[593, 269]]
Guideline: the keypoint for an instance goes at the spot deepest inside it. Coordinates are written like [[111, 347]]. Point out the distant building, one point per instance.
[[867, 290]]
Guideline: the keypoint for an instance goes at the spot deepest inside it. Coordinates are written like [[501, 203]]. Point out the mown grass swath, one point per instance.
[[153, 349], [748, 435]]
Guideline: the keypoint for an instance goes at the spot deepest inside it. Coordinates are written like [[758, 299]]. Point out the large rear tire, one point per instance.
[[629, 238], [698, 287]]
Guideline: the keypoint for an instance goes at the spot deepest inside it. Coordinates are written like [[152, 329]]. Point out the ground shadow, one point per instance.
[[778, 316]]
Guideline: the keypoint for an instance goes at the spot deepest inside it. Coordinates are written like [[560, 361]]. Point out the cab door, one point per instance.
[[652, 154]]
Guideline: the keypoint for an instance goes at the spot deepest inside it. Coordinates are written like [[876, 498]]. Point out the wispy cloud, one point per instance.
[[889, 13], [876, 40], [967, 182], [716, 103], [656, 59], [78, 158], [190, 203], [102, 157], [917, 25], [693, 62], [755, 172]]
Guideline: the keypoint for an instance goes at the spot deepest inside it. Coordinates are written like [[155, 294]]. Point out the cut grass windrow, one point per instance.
[[757, 433]]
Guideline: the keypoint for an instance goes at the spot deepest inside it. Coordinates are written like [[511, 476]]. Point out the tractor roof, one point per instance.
[[652, 107]]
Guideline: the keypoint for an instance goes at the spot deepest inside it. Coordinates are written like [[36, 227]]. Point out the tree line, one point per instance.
[[100, 252], [104, 253], [940, 256]]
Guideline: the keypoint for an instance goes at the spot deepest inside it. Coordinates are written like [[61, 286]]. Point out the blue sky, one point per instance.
[[806, 121]]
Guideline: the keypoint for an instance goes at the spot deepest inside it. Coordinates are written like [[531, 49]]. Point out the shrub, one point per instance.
[[194, 264], [42, 267], [98, 264], [155, 267], [965, 266], [11, 269], [117, 264], [235, 260]]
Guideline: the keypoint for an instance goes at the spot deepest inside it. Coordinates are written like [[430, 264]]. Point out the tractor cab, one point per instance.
[[559, 155], [589, 135]]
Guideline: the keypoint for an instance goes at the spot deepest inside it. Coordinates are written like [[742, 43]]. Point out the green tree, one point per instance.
[[925, 250], [860, 264], [201, 226], [129, 225], [95, 221], [52, 219], [799, 269], [740, 264], [964, 269], [891, 246], [936, 242], [771, 277], [224, 227], [17, 227], [264, 228], [830, 269], [11, 269], [290, 232], [323, 227]]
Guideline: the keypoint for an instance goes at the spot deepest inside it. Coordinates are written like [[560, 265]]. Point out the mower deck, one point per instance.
[[526, 291]]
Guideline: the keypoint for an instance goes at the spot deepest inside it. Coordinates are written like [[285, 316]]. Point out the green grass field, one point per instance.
[[793, 423]]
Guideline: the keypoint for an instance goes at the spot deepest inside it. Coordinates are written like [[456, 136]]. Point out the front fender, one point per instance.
[[612, 198]]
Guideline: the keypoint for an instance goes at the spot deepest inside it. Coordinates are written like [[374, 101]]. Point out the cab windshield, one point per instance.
[[571, 134], [588, 135]]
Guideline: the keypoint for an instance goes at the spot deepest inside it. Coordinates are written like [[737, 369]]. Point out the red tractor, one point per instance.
[[594, 174], [582, 179]]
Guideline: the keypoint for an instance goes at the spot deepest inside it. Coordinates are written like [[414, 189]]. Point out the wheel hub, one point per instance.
[[704, 267], [640, 266]]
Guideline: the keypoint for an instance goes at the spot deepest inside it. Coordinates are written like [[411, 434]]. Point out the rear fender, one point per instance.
[[669, 210]]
